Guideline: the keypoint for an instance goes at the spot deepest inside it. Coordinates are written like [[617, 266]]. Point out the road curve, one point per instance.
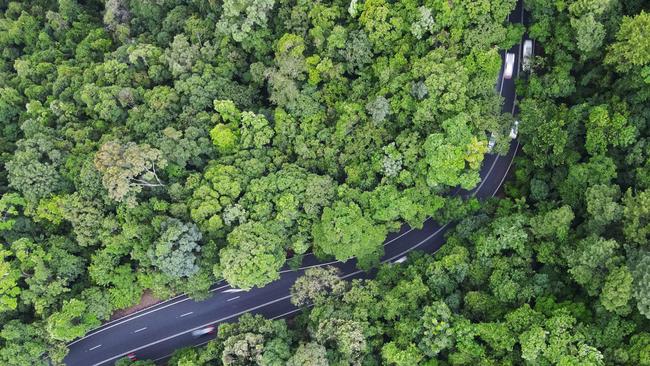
[[154, 333]]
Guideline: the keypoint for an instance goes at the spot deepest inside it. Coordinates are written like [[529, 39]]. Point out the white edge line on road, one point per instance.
[[99, 330], [486, 176], [301, 268], [385, 244], [125, 318], [514, 101], [416, 245], [503, 74], [507, 170], [137, 316], [289, 312], [257, 307], [195, 328], [333, 262], [120, 321], [208, 341], [271, 302], [219, 288], [447, 224], [496, 158], [289, 296], [94, 348], [513, 109]]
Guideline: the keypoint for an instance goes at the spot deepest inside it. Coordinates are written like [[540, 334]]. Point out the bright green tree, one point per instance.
[[253, 256], [345, 232]]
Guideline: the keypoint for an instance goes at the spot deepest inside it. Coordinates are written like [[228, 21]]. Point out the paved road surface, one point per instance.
[[155, 332]]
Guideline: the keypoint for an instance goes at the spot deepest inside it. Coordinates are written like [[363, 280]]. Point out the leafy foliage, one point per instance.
[[554, 273], [164, 145], [174, 251]]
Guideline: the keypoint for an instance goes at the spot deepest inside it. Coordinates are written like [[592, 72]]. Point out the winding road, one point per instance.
[[155, 332]]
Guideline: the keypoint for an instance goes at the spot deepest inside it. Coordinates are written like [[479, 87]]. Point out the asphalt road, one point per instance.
[[155, 332]]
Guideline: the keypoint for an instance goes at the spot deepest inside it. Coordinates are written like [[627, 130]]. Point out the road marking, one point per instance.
[[220, 287], [410, 229], [205, 342], [186, 314], [296, 310], [122, 321], [476, 189], [233, 298], [333, 262], [196, 328], [417, 245], [514, 101], [385, 244], [507, 170], [399, 236], [97, 346], [140, 330], [242, 312], [289, 312], [473, 194], [400, 260], [273, 301], [486, 176], [233, 290], [503, 73]]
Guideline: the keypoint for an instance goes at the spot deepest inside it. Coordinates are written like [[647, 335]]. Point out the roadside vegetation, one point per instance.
[[166, 145], [555, 273]]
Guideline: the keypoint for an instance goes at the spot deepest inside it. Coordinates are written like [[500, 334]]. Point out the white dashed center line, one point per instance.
[[97, 346], [233, 298], [140, 330], [186, 314]]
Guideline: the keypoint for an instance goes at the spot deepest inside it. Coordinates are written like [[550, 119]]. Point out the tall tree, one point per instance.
[[253, 256], [128, 168], [345, 232], [174, 253]]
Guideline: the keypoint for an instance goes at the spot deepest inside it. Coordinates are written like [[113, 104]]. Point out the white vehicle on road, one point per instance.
[[514, 130], [203, 331], [491, 142], [527, 55], [510, 66]]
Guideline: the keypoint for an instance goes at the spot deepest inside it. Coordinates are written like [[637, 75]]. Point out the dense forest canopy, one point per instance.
[[556, 273], [164, 145]]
